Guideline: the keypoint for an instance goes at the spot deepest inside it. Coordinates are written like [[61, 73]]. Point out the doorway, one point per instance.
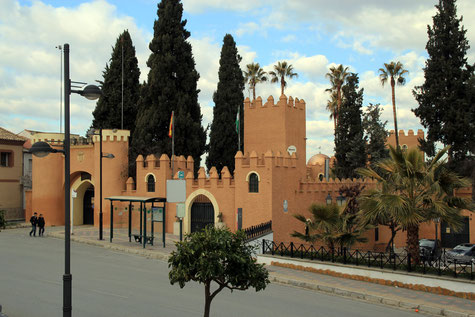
[[202, 213], [88, 206]]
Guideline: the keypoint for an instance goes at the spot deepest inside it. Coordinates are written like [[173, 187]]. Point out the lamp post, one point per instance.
[[340, 200], [329, 199], [42, 149], [108, 155]]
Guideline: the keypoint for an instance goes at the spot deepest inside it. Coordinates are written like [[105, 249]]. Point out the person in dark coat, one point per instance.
[[34, 222], [41, 225]]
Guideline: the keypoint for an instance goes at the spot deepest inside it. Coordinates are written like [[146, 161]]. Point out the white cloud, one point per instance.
[[248, 28]]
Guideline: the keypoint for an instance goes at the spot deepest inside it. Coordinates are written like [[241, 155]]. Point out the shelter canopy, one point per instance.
[[137, 199]]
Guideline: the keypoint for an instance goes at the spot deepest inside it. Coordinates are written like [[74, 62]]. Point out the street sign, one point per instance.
[[291, 149], [176, 191], [181, 175], [180, 210]]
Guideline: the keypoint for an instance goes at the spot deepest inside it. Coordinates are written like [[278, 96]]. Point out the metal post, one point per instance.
[[130, 221], [140, 212], [181, 229], [144, 241], [122, 112], [163, 223], [173, 141], [100, 190], [67, 277], [112, 222]]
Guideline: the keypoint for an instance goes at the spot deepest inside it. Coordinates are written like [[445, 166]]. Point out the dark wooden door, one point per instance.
[[449, 238], [88, 207], [202, 214]]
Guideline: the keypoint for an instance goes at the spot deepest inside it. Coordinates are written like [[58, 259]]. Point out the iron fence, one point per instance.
[[258, 230], [384, 260]]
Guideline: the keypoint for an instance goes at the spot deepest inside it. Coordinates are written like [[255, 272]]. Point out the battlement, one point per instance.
[[109, 135], [152, 163], [332, 185], [212, 180], [410, 132], [269, 159], [289, 103]]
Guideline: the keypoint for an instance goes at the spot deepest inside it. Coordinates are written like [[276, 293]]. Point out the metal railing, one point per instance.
[[384, 260], [258, 230]]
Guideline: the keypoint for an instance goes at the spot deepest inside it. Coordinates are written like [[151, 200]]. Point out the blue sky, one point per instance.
[[310, 34]]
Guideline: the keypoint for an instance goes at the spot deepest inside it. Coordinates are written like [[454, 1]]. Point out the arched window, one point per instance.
[[150, 184], [253, 183], [320, 177]]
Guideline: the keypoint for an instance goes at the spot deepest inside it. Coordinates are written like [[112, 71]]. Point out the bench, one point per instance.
[[138, 238]]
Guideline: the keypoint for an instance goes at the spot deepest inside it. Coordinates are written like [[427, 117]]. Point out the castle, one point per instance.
[[272, 179]]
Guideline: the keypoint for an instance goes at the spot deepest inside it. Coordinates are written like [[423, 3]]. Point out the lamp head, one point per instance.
[[91, 92], [329, 199], [41, 149]]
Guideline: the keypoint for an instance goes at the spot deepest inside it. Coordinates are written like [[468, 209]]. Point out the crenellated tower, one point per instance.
[[276, 126]]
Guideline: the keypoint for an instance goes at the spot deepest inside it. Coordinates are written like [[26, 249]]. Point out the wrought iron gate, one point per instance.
[[202, 214]]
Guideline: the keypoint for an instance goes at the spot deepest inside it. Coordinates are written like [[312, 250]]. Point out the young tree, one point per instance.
[[412, 192], [282, 70], [337, 76], [445, 106], [228, 98], [375, 134], [253, 76], [394, 72], [171, 86], [220, 256], [350, 151], [122, 71]]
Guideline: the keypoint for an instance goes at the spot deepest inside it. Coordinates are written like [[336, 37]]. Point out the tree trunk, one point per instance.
[[334, 121], [338, 102], [282, 84], [390, 245], [413, 243], [394, 111], [207, 298], [254, 92]]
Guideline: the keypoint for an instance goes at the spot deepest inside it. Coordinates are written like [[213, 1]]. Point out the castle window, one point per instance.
[[150, 183], [320, 177], [253, 183]]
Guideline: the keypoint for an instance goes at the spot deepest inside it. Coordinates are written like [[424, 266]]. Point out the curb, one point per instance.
[[432, 310], [156, 255], [437, 311]]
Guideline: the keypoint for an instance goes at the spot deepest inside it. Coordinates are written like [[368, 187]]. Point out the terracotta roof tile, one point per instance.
[[10, 136]]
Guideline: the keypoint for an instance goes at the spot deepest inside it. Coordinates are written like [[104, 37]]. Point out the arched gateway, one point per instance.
[[202, 213]]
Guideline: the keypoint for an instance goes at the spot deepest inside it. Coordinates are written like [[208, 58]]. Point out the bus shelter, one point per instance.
[[156, 205]]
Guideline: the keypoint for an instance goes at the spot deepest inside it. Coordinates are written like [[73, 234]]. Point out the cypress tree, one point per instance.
[[375, 134], [108, 111], [171, 86], [445, 108], [228, 98], [350, 151]]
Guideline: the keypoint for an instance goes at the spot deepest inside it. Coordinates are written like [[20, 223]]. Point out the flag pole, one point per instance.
[[173, 140]]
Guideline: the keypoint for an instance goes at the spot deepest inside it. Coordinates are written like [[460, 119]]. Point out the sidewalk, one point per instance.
[[428, 303]]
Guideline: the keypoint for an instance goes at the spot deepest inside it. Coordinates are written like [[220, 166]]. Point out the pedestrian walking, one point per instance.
[[41, 225], [34, 222]]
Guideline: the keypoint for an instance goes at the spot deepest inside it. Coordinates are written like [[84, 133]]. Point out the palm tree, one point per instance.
[[337, 76], [254, 75], [332, 106], [395, 72], [332, 225], [282, 70], [412, 192]]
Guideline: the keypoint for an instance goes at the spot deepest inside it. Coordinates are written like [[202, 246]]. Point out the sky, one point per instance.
[[312, 35]]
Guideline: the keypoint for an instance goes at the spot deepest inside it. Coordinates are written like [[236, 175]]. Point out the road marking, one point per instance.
[[110, 294]]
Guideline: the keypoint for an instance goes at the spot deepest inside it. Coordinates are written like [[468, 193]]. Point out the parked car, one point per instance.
[[463, 253], [429, 249]]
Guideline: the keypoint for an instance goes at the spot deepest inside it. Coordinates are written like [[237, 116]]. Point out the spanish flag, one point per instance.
[[170, 130]]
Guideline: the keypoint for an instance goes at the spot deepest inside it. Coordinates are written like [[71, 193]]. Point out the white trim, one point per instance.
[[189, 202], [249, 174], [146, 177]]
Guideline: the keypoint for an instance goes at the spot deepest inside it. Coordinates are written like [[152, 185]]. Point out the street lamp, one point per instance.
[[108, 155], [340, 200], [42, 149], [329, 199]]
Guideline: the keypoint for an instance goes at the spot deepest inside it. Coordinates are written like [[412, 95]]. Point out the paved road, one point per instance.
[[107, 283]]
